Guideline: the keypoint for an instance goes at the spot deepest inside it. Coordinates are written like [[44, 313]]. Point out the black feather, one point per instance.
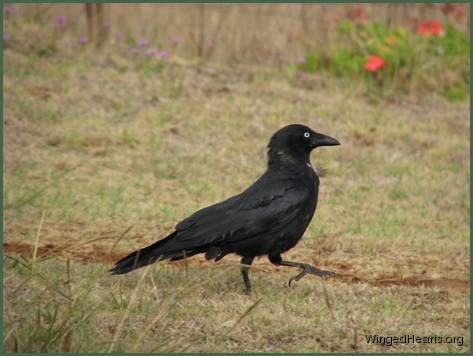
[[268, 218]]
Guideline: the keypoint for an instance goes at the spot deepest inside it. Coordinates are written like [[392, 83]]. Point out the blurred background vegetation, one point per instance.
[[420, 48]]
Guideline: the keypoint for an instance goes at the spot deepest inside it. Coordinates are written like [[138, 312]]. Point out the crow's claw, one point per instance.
[[312, 270], [296, 278]]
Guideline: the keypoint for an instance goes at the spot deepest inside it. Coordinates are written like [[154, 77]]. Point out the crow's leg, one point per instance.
[[306, 268], [246, 262]]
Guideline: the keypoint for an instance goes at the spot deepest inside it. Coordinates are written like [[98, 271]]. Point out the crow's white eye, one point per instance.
[[307, 134]]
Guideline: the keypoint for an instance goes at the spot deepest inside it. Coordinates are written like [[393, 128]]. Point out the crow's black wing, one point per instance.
[[254, 212]]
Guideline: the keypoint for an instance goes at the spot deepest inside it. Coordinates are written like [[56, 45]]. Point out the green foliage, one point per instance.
[[411, 61], [454, 42]]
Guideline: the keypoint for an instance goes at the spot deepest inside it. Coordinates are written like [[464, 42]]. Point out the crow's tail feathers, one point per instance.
[[145, 256]]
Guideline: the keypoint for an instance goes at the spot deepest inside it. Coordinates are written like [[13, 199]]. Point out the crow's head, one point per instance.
[[293, 143]]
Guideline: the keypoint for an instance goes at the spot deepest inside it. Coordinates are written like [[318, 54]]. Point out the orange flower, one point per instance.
[[374, 63], [390, 40]]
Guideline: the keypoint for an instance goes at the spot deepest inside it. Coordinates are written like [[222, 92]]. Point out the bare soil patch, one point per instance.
[[97, 254]]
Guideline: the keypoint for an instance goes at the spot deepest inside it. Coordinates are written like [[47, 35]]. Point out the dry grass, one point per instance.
[[274, 34], [105, 147]]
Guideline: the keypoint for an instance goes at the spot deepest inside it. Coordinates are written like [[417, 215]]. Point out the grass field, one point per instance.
[[104, 153]]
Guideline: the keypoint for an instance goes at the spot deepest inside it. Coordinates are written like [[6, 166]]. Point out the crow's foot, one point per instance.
[[311, 270]]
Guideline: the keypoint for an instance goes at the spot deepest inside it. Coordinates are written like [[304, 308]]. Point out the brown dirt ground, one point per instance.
[[97, 254]]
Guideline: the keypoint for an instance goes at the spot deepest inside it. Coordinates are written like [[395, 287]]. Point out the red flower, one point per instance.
[[448, 8], [436, 28], [433, 28], [374, 63], [424, 28]]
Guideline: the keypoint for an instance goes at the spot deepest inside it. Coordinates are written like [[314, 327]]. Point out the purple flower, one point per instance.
[[301, 60], [107, 24], [210, 44], [150, 52], [119, 35], [143, 42], [174, 40], [7, 10], [61, 20], [5, 36], [84, 40], [299, 73], [134, 50], [163, 54]]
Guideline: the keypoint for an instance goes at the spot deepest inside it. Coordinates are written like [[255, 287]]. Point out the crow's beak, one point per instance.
[[324, 140]]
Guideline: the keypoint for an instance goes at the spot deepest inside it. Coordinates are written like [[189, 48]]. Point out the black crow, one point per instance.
[[268, 218]]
